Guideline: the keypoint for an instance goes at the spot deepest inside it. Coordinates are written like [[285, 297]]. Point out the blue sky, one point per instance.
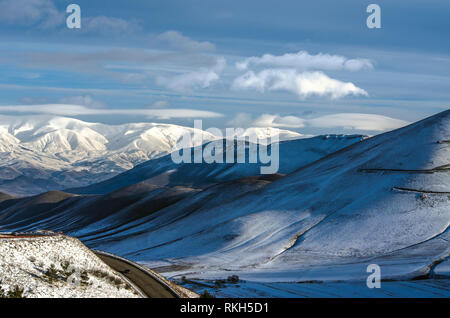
[[307, 66]]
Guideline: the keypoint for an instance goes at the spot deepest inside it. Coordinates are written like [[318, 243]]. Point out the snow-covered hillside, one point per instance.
[[56, 266]]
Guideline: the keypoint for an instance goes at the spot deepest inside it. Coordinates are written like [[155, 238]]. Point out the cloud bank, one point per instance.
[[347, 121], [357, 121], [300, 73], [78, 110]]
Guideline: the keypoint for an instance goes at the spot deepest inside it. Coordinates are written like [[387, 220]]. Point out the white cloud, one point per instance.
[[83, 100], [302, 61], [29, 12], [357, 121], [345, 121], [178, 41], [77, 110], [304, 84], [187, 82]]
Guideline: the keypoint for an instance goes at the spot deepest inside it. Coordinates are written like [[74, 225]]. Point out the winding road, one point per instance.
[[148, 285]]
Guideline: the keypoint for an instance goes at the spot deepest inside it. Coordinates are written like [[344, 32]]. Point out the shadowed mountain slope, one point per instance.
[[293, 154]]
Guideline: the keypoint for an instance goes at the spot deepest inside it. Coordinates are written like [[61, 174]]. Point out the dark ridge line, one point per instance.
[[445, 168], [416, 244], [417, 191], [429, 270]]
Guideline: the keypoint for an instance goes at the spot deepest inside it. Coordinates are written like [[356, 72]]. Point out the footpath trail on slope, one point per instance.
[[146, 283]]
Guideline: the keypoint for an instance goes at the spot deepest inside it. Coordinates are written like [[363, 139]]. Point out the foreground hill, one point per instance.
[[56, 266]]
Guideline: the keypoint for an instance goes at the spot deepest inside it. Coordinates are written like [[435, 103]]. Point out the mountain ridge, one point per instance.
[[293, 154], [71, 153]]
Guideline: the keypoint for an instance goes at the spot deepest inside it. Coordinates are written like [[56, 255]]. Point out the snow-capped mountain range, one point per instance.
[[40, 153]]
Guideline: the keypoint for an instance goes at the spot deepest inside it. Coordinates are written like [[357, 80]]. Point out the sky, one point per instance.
[[309, 66]]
